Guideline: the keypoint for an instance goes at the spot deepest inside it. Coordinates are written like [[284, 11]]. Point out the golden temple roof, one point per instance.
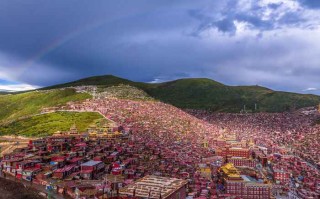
[[229, 170]]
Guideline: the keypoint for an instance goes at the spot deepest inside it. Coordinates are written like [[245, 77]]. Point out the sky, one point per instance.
[[271, 43]]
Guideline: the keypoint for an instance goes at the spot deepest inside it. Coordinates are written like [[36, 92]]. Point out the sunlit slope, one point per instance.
[[124, 92], [47, 124], [15, 106]]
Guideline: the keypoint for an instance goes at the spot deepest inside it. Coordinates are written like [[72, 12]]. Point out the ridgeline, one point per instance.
[[206, 94]]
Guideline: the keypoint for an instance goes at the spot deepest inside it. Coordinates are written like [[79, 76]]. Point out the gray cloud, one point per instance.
[[268, 43], [313, 4]]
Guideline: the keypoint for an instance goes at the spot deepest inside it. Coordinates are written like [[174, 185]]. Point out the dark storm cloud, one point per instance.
[[274, 5], [236, 42], [252, 16], [314, 4]]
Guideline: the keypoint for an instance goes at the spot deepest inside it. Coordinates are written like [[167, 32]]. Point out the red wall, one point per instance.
[[182, 192]]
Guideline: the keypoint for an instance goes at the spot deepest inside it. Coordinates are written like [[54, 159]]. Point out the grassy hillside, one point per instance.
[[124, 92], [47, 124], [104, 81], [14, 106], [201, 93], [210, 95]]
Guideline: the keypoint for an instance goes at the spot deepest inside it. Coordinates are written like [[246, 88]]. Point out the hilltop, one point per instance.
[[104, 81], [207, 94], [123, 92]]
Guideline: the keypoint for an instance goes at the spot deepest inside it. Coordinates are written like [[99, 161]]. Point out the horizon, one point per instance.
[[270, 43], [28, 88]]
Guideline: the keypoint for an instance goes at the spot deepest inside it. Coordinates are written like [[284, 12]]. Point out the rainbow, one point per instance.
[[57, 43]]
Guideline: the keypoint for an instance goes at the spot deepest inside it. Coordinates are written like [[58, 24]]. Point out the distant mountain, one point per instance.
[[202, 93], [4, 91], [105, 81]]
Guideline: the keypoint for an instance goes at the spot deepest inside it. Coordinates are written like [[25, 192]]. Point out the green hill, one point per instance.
[[202, 93], [14, 106], [124, 92], [103, 81], [47, 124], [19, 111]]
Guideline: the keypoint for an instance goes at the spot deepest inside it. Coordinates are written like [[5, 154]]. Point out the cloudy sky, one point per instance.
[[273, 43]]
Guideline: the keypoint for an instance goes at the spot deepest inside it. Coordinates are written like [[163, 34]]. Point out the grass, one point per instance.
[[16, 109], [202, 93], [210, 95], [47, 124], [15, 106], [106, 81], [124, 92]]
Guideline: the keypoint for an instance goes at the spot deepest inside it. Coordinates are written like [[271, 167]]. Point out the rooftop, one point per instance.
[[238, 148], [152, 186], [248, 178], [229, 170], [91, 163]]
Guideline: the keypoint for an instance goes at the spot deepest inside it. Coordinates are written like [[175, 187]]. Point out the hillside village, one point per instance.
[[150, 145], [141, 99]]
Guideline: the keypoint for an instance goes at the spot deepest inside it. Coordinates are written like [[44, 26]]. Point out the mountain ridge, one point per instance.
[[208, 94]]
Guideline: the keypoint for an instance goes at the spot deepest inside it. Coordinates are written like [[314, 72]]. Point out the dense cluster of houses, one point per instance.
[[298, 177], [151, 147], [288, 141], [294, 131], [123, 163]]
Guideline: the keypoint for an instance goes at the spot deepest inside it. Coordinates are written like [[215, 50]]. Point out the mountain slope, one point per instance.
[[104, 81], [14, 106], [47, 124], [202, 93], [124, 92]]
